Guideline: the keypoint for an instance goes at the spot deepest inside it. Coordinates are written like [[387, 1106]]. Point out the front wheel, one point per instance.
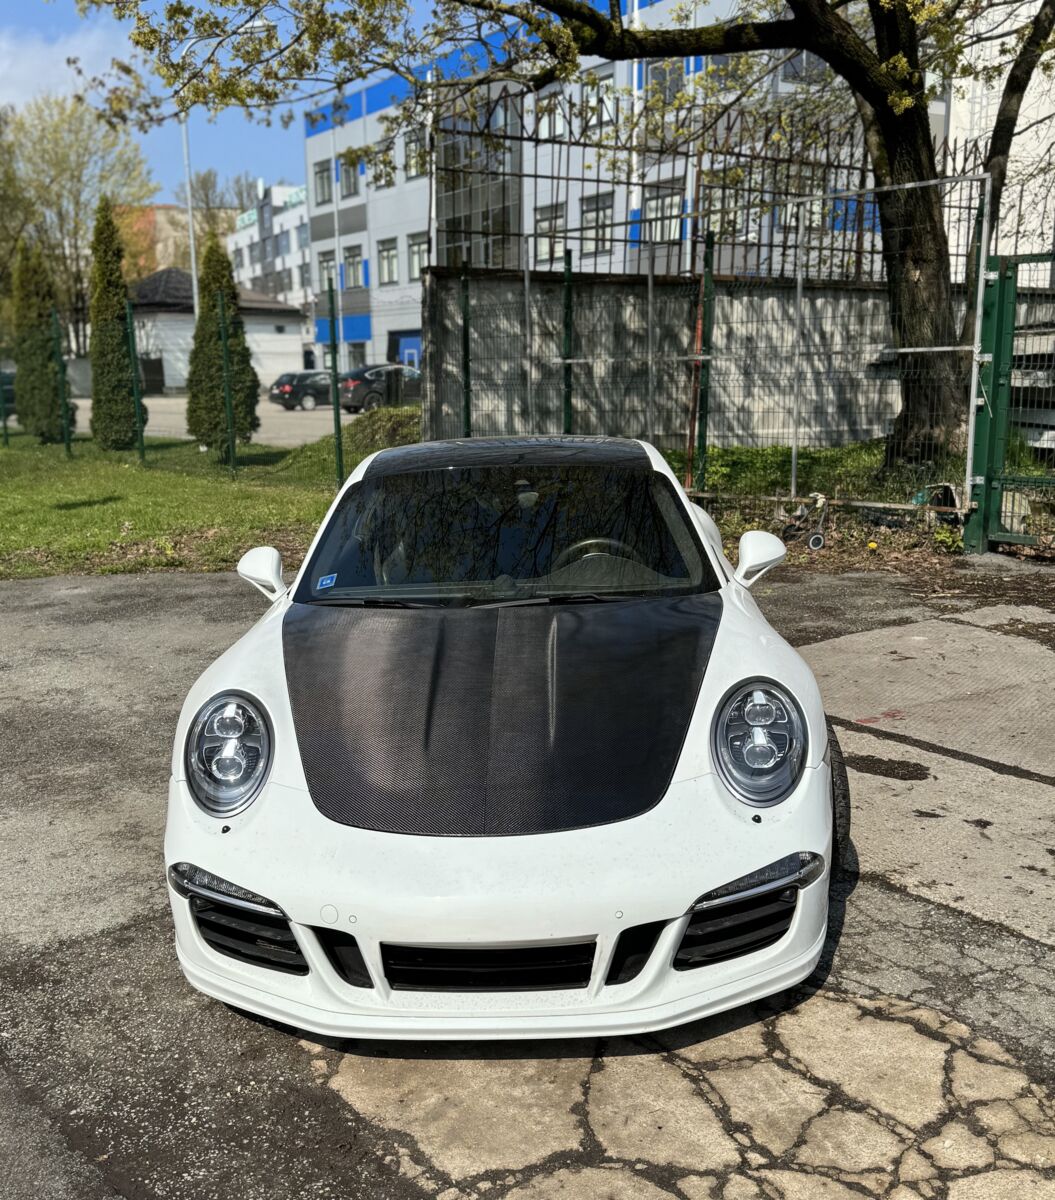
[[308, 403], [840, 805]]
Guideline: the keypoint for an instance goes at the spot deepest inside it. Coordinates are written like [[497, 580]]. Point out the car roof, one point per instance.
[[510, 451]]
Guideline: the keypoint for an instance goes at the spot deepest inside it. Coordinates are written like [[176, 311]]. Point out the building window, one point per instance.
[[356, 354], [305, 275], [549, 233], [597, 214], [349, 179], [663, 216], [323, 182], [384, 175], [666, 79], [281, 243], [549, 113], [327, 271], [417, 254], [254, 252], [239, 258], [415, 154], [303, 237], [597, 104], [353, 266], [388, 261], [280, 329], [803, 67]]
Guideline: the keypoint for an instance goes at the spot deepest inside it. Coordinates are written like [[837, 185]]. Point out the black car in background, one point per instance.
[[355, 384], [303, 389], [395, 383]]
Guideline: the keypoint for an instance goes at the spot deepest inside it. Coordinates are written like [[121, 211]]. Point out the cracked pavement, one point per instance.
[[916, 1062]]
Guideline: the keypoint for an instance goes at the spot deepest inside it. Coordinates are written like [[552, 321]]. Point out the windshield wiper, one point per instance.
[[369, 602], [569, 598]]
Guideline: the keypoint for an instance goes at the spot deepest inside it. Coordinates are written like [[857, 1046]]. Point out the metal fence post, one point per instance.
[[335, 391], [64, 400], [3, 414], [467, 382], [706, 342], [227, 402], [650, 319], [528, 338], [566, 423], [800, 352], [133, 361]]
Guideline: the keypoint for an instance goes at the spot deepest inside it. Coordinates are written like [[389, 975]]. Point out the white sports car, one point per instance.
[[516, 755]]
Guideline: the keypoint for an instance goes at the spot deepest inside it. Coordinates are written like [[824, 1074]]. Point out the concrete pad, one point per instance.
[[641, 1107], [995, 615], [850, 1141], [949, 684], [1003, 1185], [774, 1103], [594, 1183], [469, 1113], [956, 833]]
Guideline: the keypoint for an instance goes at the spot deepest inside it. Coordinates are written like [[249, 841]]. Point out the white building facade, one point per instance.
[[270, 251]]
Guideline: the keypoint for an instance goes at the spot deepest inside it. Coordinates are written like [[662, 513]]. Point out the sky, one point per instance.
[[36, 38]]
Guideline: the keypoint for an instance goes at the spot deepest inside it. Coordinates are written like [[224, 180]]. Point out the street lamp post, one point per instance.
[[251, 27]]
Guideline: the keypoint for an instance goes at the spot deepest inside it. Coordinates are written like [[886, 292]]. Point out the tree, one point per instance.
[[65, 158], [214, 210], [15, 209], [113, 401], [37, 396], [884, 50], [206, 412]]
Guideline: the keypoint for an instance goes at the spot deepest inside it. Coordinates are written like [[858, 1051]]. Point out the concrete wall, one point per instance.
[[835, 358]]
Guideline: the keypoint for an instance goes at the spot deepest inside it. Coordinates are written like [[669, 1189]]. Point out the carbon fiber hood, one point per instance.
[[490, 722]]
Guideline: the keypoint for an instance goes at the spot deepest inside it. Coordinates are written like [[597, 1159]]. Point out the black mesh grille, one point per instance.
[[739, 927], [258, 938], [632, 951], [519, 969], [345, 956]]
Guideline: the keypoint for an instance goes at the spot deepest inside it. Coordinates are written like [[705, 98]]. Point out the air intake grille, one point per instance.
[[345, 956], [257, 938], [632, 951], [739, 927], [519, 969]]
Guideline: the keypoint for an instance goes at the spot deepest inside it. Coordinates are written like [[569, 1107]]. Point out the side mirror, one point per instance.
[[759, 551], [262, 567]]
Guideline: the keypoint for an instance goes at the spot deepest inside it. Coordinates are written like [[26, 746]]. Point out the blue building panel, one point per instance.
[[356, 327], [366, 272], [635, 225]]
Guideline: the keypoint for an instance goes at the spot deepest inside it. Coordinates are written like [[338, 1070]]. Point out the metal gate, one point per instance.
[[1013, 461]]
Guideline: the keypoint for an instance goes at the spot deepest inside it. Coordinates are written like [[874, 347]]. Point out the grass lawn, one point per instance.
[[102, 511]]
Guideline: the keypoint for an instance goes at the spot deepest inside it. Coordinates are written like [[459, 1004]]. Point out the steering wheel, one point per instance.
[[595, 545]]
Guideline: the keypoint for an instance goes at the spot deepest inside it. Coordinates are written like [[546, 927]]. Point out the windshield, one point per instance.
[[507, 534]]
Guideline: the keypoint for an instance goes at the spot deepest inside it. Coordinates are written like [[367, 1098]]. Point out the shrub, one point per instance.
[[37, 398], [113, 403], [206, 413]]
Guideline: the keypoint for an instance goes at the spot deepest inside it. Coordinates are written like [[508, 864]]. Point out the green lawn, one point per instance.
[[105, 512]]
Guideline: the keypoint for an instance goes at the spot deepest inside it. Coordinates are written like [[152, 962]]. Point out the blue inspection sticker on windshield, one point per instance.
[[325, 582]]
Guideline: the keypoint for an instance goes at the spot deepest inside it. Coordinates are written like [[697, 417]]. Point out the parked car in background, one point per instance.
[[355, 384], [377, 386], [302, 389]]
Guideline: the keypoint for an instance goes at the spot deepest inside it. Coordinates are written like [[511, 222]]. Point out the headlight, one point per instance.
[[228, 754], [760, 742]]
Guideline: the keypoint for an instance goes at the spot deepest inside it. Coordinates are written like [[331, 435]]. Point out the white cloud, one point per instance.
[[32, 64]]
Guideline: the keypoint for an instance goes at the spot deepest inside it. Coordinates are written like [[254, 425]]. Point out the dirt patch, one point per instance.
[[888, 768]]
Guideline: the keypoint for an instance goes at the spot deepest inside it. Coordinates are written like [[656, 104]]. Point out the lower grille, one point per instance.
[[252, 937], [345, 956], [739, 927], [517, 969], [632, 951]]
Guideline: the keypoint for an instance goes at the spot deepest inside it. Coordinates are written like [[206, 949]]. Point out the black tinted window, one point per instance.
[[480, 534]]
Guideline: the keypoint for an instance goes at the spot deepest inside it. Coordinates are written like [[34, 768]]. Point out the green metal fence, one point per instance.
[[1012, 484]]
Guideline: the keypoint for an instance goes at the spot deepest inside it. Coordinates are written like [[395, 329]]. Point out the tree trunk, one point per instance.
[[919, 287]]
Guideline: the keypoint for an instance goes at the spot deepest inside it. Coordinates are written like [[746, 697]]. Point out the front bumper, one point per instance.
[[500, 892]]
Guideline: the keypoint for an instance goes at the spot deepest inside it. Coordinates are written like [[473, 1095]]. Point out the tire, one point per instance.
[[372, 401], [308, 403], [789, 533], [840, 805], [816, 541]]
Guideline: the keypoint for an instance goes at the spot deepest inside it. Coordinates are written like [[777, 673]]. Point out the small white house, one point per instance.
[[164, 318]]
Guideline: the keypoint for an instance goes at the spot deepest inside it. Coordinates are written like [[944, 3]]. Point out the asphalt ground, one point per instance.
[[917, 1062], [167, 417]]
